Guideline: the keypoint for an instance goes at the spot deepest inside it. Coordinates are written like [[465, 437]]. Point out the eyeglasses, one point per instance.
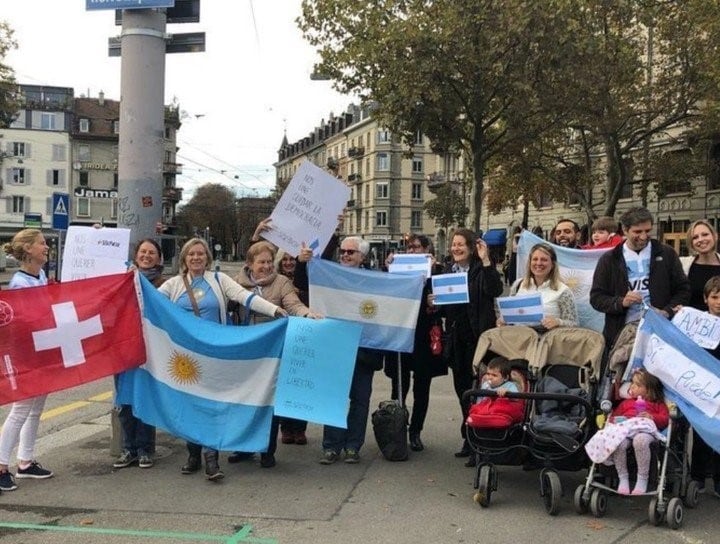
[[415, 246], [348, 252]]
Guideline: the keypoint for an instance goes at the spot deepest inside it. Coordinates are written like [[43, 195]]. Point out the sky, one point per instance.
[[238, 97]]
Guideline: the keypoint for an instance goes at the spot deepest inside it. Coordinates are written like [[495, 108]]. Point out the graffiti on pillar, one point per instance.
[[125, 217]]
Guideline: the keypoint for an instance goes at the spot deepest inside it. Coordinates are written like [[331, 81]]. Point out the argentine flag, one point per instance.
[[521, 309], [691, 375], [208, 383], [411, 263], [386, 305], [576, 267]]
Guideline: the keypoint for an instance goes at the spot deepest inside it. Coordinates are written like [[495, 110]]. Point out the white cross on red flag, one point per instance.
[[66, 334]]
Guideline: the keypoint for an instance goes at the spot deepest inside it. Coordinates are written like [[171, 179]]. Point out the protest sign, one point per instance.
[[91, 252], [701, 327], [308, 210]]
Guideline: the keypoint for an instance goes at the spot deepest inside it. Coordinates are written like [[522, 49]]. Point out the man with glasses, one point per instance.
[[336, 441]]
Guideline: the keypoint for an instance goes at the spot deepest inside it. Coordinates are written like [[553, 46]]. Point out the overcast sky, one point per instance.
[[250, 83]]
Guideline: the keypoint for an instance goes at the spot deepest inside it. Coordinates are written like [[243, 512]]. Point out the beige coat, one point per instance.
[[277, 289]]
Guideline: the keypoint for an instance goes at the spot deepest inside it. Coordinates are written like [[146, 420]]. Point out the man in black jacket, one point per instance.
[[640, 270]]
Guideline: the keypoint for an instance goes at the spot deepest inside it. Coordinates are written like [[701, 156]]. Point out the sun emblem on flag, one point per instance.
[[576, 281], [183, 368], [521, 311], [368, 309], [450, 289]]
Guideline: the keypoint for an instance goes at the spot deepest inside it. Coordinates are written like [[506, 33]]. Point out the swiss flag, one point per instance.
[[66, 334]]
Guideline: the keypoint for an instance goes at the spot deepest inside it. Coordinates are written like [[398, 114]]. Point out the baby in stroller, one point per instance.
[[636, 420], [497, 412]]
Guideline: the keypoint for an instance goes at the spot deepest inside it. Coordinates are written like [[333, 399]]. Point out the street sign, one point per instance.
[[91, 5], [184, 11], [32, 221], [61, 211]]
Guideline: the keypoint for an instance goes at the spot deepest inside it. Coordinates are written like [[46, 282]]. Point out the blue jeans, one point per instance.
[[352, 438], [138, 438]]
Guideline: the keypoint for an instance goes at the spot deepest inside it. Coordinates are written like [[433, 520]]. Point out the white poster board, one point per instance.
[[701, 327], [91, 252], [308, 210]]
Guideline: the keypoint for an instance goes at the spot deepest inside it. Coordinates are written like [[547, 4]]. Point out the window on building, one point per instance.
[[383, 136], [415, 219], [381, 219], [167, 132], [367, 220], [367, 141], [116, 127], [17, 176], [417, 165], [18, 204], [84, 152], [84, 125], [113, 208], [416, 193], [676, 165], [383, 162], [367, 192], [418, 138], [714, 167], [18, 149], [58, 152], [342, 150], [382, 190], [83, 206], [84, 179], [627, 188], [47, 121], [168, 156], [115, 180], [56, 178]]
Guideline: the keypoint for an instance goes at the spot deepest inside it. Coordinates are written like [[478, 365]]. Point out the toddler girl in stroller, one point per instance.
[[636, 420]]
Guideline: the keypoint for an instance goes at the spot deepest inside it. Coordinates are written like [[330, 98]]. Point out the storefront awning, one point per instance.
[[495, 237]]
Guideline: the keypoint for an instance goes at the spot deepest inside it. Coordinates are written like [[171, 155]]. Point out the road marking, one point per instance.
[[241, 536], [65, 408]]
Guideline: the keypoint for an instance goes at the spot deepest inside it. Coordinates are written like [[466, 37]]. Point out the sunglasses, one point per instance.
[[348, 251]]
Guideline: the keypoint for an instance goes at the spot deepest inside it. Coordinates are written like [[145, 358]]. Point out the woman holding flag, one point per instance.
[[21, 425], [466, 322], [206, 293]]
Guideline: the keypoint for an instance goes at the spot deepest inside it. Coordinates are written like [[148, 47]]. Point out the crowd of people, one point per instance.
[[636, 272]]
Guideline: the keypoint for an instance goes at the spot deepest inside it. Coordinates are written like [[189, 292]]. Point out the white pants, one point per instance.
[[21, 425]]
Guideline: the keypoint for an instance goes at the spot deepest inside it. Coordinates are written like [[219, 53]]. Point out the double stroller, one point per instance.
[[557, 376], [671, 485]]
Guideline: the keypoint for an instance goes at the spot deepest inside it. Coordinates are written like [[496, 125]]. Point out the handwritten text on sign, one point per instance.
[[701, 327]]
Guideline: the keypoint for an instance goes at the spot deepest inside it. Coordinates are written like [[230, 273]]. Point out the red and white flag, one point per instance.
[[66, 334]]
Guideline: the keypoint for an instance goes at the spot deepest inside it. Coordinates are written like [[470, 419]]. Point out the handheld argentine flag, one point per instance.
[[691, 375], [521, 309], [386, 305], [207, 383], [576, 267], [411, 263], [450, 288]]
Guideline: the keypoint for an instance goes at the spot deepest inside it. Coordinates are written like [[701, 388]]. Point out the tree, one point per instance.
[[457, 70], [212, 206], [447, 208], [9, 103]]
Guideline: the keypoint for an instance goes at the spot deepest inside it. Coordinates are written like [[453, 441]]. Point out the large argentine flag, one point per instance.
[[208, 383], [691, 375], [577, 267], [386, 305]]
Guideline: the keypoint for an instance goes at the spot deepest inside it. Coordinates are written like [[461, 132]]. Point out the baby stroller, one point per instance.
[[494, 445], [670, 463], [568, 365]]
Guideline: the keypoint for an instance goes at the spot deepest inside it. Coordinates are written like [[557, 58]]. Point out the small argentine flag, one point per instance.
[[411, 263], [450, 288], [521, 309], [386, 305]]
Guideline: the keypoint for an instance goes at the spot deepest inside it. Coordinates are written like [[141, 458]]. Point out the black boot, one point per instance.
[[212, 468], [415, 442], [193, 465]]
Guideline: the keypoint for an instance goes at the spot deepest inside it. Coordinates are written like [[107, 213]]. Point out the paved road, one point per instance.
[[427, 499]]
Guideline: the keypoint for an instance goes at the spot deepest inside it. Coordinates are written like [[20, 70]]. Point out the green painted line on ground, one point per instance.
[[240, 536]]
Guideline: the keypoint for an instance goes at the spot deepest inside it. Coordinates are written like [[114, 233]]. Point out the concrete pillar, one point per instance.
[[142, 122]]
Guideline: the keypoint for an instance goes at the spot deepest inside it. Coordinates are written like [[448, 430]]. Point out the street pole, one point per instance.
[[142, 122]]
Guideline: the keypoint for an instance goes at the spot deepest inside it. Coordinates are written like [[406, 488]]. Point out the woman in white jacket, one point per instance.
[[205, 293]]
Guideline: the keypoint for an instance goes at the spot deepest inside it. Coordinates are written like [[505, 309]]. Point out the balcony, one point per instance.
[[350, 204], [172, 168], [354, 177], [356, 152], [173, 194], [435, 180]]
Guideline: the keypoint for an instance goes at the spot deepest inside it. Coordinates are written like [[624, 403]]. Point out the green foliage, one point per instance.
[[447, 208], [212, 205], [9, 103]]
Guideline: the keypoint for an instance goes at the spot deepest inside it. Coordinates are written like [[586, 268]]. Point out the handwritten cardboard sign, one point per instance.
[[91, 252], [701, 327]]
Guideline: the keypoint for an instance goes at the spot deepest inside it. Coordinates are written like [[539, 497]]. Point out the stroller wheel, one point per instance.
[[675, 513], [581, 505], [551, 491], [692, 494], [598, 503], [485, 489], [655, 517]]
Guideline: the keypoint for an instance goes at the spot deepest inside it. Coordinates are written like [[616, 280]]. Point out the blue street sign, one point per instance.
[[91, 5], [61, 211]]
